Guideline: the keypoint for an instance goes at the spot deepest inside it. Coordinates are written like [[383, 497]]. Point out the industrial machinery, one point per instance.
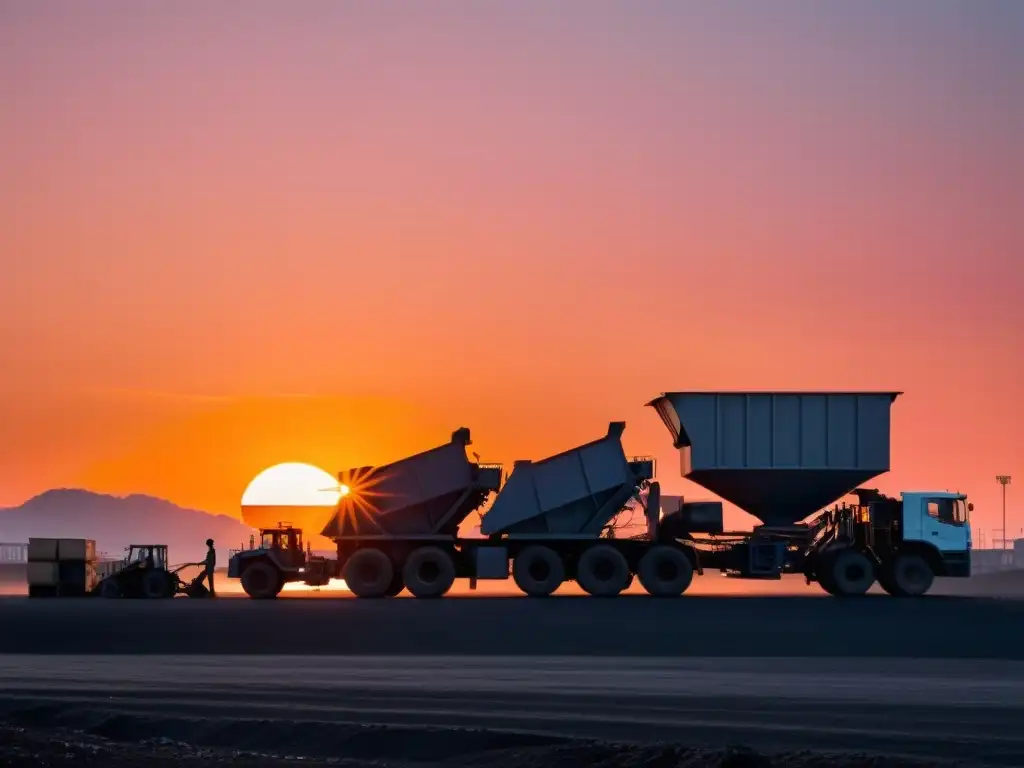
[[145, 573], [279, 559], [780, 456]]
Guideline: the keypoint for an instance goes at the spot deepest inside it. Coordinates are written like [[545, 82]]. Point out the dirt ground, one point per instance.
[[30, 747]]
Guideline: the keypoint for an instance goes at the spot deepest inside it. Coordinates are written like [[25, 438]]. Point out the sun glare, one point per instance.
[[293, 485]]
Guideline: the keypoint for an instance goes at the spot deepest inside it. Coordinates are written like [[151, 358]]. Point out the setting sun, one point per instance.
[[301, 494], [293, 485]]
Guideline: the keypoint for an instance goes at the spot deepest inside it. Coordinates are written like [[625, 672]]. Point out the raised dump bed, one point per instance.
[[430, 493], [573, 493], [780, 456]]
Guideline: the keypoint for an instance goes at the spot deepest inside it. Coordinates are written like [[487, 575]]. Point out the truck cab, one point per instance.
[[903, 543], [281, 545], [941, 521], [284, 544]]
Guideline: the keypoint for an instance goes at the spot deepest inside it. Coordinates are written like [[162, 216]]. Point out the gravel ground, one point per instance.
[[30, 747]]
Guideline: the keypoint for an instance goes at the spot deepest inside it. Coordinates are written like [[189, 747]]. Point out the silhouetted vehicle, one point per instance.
[[783, 457], [145, 574], [279, 559]]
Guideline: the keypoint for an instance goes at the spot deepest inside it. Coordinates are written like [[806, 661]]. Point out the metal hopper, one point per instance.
[[781, 456], [429, 493], [572, 493]]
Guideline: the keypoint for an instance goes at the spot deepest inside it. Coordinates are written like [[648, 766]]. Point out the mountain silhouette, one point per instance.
[[117, 521]]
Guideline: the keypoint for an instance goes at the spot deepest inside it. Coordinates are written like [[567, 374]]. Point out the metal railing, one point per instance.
[[13, 553]]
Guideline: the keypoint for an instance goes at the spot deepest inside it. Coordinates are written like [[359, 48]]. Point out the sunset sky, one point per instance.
[[235, 234]]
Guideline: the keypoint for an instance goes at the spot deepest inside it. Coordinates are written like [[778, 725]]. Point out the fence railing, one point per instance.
[[13, 553]]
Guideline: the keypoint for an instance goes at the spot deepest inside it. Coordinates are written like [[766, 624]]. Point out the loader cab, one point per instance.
[[148, 556], [939, 518], [284, 541]]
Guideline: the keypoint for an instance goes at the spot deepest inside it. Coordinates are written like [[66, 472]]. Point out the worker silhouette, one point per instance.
[[211, 564]]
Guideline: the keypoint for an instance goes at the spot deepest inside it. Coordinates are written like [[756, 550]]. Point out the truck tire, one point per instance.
[[157, 585], [665, 571], [823, 572], [602, 571], [368, 573], [429, 572], [851, 573], [538, 571], [261, 581], [909, 576], [110, 589]]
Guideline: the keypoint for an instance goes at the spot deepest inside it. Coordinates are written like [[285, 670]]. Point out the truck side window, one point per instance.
[[947, 511]]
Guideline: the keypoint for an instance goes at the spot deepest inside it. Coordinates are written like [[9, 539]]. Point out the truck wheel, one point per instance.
[[109, 589], [429, 572], [261, 581], [156, 584], [911, 576], [368, 573], [823, 573], [602, 571], [538, 571], [851, 573], [665, 571]]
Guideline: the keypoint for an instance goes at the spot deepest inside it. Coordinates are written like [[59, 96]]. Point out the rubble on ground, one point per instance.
[[59, 747]]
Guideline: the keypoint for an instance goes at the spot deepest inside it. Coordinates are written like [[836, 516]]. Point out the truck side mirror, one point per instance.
[[970, 506]]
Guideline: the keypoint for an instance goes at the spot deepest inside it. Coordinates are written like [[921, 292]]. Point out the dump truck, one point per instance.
[[787, 458], [408, 504]]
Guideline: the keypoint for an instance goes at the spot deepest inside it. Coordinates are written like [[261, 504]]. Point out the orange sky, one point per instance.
[[237, 237]]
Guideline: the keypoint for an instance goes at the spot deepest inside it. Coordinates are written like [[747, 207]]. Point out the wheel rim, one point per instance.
[[430, 572], [604, 569], [667, 569], [259, 581], [539, 570], [854, 572], [913, 574], [367, 573], [155, 585]]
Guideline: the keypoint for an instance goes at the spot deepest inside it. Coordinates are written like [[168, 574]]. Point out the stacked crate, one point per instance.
[[61, 567]]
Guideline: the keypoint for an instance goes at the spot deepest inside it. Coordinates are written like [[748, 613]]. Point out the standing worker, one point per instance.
[[211, 564]]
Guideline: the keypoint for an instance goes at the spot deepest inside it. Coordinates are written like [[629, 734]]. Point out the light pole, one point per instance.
[[1004, 480]]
